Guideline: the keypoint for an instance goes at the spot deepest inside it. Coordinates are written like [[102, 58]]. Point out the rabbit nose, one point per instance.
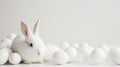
[[38, 52]]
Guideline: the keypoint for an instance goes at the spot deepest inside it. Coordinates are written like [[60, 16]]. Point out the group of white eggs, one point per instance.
[[6, 54], [82, 53], [63, 53], [67, 53]]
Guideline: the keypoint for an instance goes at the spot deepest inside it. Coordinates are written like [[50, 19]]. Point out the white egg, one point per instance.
[[60, 57], [12, 36], [104, 47], [3, 56], [97, 56], [64, 45], [91, 48], [115, 55], [9, 50], [83, 53], [50, 50], [72, 53], [5, 43], [14, 58], [87, 46], [75, 45], [84, 49]]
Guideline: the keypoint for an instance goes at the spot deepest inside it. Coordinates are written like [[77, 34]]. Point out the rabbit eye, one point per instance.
[[31, 44]]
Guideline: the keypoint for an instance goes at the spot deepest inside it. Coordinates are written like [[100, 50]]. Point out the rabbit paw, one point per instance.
[[40, 62], [27, 62]]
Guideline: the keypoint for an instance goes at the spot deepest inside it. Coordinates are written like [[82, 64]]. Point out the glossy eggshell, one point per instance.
[[60, 57], [97, 56], [14, 58], [72, 53], [3, 56], [64, 45], [114, 55]]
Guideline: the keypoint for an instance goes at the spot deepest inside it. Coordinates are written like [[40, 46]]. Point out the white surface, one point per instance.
[[66, 65], [92, 21]]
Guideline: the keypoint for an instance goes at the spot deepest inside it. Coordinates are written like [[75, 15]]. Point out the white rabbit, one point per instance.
[[29, 45]]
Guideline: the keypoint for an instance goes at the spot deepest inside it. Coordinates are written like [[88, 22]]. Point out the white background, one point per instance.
[[91, 21]]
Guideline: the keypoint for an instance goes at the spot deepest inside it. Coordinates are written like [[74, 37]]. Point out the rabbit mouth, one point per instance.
[[38, 53]]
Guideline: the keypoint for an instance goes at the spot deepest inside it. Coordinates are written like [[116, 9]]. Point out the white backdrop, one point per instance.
[[91, 21]]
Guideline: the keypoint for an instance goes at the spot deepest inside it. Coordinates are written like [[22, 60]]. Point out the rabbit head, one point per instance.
[[32, 38]]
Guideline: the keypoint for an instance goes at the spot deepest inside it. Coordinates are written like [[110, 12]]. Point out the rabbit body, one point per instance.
[[30, 46]]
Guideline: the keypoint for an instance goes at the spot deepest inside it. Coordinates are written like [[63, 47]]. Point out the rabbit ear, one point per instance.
[[25, 29], [36, 28]]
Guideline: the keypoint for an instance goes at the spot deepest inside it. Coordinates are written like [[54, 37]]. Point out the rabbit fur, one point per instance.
[[29, 45]]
